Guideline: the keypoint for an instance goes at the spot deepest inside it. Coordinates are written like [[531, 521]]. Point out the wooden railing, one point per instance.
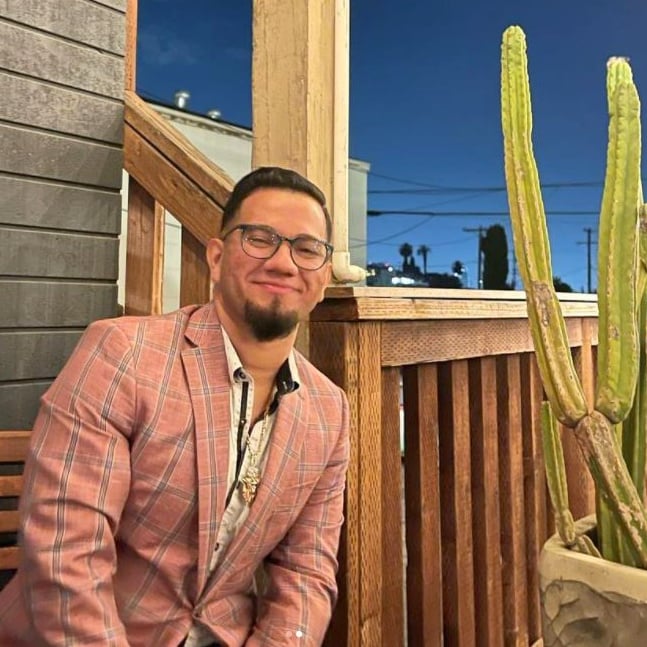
[[458, 363], [167, 172], [472, 481]]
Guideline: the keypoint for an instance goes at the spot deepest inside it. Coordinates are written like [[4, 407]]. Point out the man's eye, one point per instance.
[[308, 247], [260, 239]]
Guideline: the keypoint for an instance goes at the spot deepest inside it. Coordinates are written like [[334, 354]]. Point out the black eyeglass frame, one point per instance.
[[280, 239]]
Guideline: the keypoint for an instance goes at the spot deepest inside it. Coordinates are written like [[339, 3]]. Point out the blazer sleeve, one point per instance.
[[301, 588], [76, 483]]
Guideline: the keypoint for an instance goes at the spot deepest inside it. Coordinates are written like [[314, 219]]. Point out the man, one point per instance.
[[174, 455]]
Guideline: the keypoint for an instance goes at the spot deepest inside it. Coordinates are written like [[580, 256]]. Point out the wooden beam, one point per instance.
[[131, 46], [11, 485], [195, 280], [9, 520], [172, 144], [293, 103], [421, 306], [296, 120], [438, 340], [9, 557], [14, 446], [144, 252]]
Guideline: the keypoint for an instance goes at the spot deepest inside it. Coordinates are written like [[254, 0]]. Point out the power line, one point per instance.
[[483, 189], [408, 212], [364, 242], [429, 185]]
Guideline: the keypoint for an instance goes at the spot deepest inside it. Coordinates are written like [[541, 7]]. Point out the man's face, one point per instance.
[[269, 296]]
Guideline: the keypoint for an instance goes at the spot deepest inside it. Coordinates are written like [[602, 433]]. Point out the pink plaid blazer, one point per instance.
[[125, 487]]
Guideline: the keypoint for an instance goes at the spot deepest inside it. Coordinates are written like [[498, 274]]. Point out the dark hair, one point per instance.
[[273, 177]]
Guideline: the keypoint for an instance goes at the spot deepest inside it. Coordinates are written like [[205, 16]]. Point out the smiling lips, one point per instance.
[[276, 288]]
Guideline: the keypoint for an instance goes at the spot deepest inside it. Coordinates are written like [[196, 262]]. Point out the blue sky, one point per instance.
[[424, 106]]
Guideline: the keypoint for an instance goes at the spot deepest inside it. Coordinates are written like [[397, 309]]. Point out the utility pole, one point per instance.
[[480, 229], [589, 242], [514, 272]]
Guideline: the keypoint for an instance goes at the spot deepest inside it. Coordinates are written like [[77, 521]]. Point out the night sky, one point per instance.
[[425, 109]]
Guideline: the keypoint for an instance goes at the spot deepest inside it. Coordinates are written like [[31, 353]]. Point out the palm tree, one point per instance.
[[423, 251], [405, 251]]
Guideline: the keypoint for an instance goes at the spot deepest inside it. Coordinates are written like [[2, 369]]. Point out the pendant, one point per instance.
[[249, 484]]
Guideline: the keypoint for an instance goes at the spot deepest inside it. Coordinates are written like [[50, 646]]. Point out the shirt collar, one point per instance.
[[287, 378]]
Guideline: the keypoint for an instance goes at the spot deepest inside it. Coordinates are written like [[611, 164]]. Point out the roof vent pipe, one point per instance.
[[182, 99]]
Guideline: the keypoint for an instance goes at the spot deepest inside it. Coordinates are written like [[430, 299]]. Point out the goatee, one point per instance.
[[268, 324]]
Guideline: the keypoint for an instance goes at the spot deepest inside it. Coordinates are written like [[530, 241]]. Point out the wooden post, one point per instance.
[[145, 252], [294, 104], [131, 46], [346, 352], [195, 279], [300, 106]]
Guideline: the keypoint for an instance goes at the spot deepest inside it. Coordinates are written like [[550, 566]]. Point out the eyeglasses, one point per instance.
[[261, 241]]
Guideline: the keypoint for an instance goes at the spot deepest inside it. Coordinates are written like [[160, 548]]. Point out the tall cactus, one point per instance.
[[621, 284]]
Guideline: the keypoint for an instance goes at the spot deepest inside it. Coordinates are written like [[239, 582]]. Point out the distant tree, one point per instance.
[[494, 247], [459, 270], [423, 251], [406, 251], [560, 286]]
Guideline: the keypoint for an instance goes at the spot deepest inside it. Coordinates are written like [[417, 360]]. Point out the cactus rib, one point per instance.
[[618, 254], [556, 476], [531, 237], [596, 438]]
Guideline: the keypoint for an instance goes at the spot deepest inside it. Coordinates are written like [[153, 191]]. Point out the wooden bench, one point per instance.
[[13, 451]]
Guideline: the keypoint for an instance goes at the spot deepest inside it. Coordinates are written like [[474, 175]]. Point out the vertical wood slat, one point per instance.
[[144, 252], [534, 485], [422, 493], [333, 349], [370, 484], [131, 46], [195, 280], [580, 483], [485, 502], [456, 506], [511, 470], [392, 557], [357, 370]]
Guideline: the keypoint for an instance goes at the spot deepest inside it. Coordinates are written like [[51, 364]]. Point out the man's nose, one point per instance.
[[282, 259]]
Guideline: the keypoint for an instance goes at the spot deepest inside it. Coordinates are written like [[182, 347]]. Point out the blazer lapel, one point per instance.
[[286, 440], [209, 388]]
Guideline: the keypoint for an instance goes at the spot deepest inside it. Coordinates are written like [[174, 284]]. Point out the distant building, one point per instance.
[[230, 147], [380, 274]]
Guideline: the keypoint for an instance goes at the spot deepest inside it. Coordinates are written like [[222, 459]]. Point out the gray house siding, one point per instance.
[[61, 125]]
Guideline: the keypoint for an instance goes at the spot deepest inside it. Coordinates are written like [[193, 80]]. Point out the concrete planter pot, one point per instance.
[[588, 601]]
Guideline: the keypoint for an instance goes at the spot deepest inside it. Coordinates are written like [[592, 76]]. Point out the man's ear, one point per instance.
[[214, 251]]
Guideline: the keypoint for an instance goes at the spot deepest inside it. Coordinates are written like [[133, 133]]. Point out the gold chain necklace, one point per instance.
[[250, 482]]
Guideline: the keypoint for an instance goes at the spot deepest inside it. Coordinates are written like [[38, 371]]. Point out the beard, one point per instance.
[[269, 323]]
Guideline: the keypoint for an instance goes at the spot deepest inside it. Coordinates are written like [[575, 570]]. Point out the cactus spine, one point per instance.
[[621, 284]]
